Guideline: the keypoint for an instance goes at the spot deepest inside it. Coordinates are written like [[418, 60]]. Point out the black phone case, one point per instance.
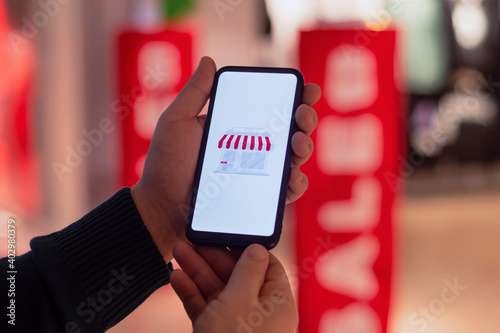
[[238, 240]]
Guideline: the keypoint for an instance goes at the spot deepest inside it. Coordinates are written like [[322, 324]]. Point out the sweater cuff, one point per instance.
[[113, 259]]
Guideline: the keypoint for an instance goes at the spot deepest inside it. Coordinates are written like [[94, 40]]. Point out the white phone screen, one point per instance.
[[244, 158]]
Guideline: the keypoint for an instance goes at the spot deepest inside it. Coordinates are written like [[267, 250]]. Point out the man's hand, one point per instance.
[[163, 193], [221, 294]]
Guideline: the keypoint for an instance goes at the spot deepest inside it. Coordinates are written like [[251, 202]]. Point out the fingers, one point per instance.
[[202, 119], [277, 284], [248, 275], [297, 185], [303, 148], [302, 145], [236, 253], [198, 270], [312, 94], [189, 294], [194, 95], [306, 118], [219, 259]]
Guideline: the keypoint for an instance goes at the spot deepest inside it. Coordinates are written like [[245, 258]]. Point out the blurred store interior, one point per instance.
[[63, 70]]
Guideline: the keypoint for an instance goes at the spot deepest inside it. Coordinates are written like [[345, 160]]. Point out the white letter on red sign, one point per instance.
[[350, 146], [351, 82], [361, 212], [354, 318], [347, 269]]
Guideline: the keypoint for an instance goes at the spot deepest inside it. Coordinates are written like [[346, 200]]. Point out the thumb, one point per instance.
[[249, 274], [194, 95]]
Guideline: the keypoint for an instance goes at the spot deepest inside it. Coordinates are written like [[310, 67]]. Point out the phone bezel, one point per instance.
[[239, 240]]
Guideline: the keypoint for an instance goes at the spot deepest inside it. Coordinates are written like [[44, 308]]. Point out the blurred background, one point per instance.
[[82, 84]]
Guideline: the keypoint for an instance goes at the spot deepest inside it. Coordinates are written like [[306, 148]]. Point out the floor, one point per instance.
[[453, 239]]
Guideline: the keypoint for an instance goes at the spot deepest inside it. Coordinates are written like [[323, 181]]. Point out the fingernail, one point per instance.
[[257, 252]]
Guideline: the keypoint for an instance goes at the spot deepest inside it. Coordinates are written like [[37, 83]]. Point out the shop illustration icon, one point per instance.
[[245, 151]]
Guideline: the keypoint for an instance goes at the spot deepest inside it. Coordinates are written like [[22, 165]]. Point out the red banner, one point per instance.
[[153, 68], [344, 228], [19, 181]]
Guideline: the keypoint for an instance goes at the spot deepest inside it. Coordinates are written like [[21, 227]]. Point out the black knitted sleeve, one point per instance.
[[86, 277]]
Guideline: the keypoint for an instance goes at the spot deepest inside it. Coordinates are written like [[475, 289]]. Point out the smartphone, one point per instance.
[[241, 179]]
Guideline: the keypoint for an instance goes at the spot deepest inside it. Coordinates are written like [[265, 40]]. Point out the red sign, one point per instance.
[[344, 230], [18, 164], [153, 68]]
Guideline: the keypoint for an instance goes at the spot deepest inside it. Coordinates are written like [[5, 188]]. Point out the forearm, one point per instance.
[[90, 275]]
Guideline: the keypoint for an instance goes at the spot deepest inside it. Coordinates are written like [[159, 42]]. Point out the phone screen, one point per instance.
[[242, 169]]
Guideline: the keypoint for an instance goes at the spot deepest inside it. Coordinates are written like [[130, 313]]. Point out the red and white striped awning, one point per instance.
[[245, 142]]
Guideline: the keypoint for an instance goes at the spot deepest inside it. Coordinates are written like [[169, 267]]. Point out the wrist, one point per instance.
[[155, 221]]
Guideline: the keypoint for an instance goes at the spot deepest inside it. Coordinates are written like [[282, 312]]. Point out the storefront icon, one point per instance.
[[245, 151]]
